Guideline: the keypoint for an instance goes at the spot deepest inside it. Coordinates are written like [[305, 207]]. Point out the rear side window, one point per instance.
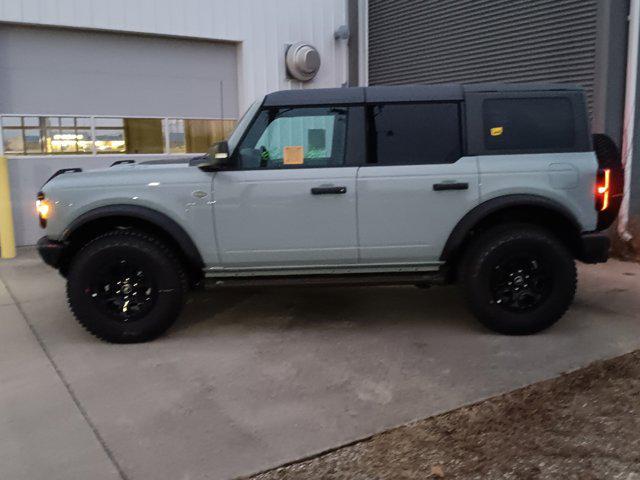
[[414, 134], [528, 124]]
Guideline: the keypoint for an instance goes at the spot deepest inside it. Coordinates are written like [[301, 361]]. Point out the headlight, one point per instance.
[[44, 208]]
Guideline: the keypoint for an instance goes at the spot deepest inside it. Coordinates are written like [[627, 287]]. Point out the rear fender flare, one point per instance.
[[481, 212]]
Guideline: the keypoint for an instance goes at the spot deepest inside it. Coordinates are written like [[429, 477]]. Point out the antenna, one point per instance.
[[222, 109]]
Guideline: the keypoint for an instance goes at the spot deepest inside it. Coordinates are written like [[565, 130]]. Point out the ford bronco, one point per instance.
[[498, 188]]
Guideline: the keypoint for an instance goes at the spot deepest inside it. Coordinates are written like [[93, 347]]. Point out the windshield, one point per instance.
[[242, 124]]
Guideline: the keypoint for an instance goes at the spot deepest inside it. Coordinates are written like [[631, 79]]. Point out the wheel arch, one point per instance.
[[514, 208], [102, 219]]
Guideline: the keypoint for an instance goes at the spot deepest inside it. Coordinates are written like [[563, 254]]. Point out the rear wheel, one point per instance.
[[519, 279], [125, 287]]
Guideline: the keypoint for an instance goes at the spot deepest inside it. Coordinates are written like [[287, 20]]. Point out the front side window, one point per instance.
[[528, 124], [294, 138], [414, 134]]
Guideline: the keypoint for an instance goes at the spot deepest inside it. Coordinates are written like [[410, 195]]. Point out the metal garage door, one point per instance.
[[55, 71], [46, 72], [435, 41]]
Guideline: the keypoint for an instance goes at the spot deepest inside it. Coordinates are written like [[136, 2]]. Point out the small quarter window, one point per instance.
[[528, 124], [414, 134]]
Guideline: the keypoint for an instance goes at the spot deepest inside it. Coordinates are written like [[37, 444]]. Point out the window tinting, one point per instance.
[[295, 137], [531, 124], [414, 134]]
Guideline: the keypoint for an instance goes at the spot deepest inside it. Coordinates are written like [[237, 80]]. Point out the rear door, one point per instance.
[[416, 184], [290, 200]]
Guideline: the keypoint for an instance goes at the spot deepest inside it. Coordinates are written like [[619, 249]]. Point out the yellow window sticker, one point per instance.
[[497, 131], [293, 155]]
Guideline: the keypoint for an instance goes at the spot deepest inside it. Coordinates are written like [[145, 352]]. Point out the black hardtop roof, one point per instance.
[[402, 93]]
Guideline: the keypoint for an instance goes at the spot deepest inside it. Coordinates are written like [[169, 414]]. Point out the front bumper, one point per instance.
[[50, 251], [594, 248]]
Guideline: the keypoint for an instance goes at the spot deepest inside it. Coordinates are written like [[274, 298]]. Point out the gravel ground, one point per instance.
[[583, 425]]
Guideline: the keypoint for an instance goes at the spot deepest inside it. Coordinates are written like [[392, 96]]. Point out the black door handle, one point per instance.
[[438, 187], [328, 190]]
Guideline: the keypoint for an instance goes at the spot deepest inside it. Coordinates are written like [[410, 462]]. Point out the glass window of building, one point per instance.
[[67, 135], [143, 135], [196, 136], [129, 135], [175, 128], [110, 135], [18, 137], [46, 135], [56, 135]]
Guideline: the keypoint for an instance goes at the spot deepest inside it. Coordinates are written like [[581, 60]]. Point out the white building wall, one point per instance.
[[261, 28]]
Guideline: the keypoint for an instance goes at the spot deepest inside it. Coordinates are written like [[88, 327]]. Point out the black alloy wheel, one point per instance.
[[518, 278], [123, 290], [520, 283], [126, 286]]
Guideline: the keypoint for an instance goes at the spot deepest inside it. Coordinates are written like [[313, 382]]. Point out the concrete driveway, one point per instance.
[[246, 381]]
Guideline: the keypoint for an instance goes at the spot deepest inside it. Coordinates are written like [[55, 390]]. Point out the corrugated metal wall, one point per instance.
[[436, 41]]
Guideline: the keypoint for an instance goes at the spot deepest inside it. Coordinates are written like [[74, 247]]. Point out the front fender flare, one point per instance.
[[158, 219]]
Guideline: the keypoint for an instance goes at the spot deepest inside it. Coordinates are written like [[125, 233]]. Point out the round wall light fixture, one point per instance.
[[303, 61]]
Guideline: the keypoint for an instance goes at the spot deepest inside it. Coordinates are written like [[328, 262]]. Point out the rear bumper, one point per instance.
[[594, 248], [50, 251]]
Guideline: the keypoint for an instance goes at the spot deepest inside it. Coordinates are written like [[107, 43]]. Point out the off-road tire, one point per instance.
[[162, 267], [485, 254]]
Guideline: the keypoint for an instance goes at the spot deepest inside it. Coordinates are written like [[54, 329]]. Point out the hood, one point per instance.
[[121, 171]]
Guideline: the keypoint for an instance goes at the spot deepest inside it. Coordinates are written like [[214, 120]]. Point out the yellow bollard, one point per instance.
[[7, 237]]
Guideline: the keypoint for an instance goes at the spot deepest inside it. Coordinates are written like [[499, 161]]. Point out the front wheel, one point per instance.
[[519, 279], [126, 287]]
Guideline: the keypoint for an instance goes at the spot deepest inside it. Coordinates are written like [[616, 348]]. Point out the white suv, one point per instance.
[[497, 187]]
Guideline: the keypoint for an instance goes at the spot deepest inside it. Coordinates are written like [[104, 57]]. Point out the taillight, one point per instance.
[[609, 188], [603, 189]]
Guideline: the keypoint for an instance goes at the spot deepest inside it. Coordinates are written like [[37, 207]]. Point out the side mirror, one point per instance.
[[216, 158]]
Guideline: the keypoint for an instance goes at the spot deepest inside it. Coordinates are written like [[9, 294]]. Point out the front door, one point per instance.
[[290, 199], [416, 185]]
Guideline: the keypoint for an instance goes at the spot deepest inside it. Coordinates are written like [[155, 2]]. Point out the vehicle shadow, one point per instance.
[[300, 308]]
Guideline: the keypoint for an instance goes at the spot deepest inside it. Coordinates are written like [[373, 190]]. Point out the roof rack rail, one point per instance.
[[60, 172], [122, 162]]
